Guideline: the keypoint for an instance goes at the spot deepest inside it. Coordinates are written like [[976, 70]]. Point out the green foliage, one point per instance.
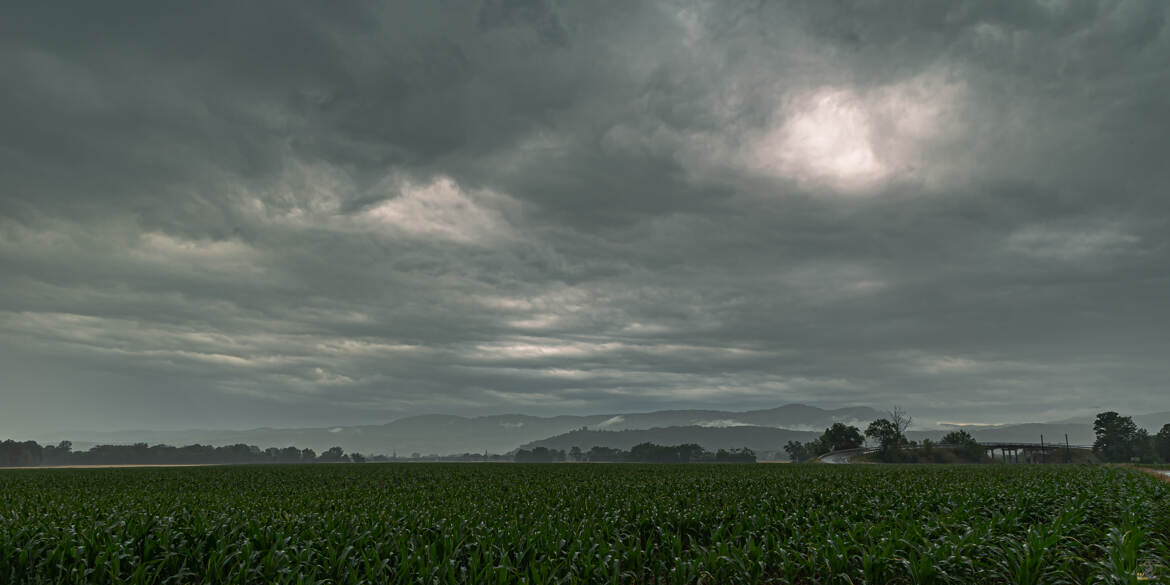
[[837, 437], [29, 453], [516, 523], [889, 437], [640, 453], [20, 453], [1115, 436], [606, 455], [966, 447], [818, 447], [651, 453], [959, 437], [743, 455], [333, 454], [798, 451], [1162, 443], [1120, 440], [539, 455], [841, 436]]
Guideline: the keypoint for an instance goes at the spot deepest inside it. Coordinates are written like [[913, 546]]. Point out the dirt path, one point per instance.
[[1162, 474], [843, 457]]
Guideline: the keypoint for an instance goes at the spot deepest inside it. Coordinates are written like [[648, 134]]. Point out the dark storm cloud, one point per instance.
[[279, 213]]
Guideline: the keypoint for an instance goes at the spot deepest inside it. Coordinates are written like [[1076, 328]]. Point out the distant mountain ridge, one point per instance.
[[765, 441], [1079, 430], [450, 434], [1151, 422], [439, 434]]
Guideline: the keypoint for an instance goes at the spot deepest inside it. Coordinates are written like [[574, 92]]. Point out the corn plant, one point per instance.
[[576, 524]]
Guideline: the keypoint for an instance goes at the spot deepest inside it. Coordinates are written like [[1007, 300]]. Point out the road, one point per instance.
[[840, 457]]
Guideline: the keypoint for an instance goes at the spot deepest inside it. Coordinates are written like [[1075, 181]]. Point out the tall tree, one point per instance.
[[688, 452], [842, 436], [1143, 447], [966, 446], [1162, 443], [889, 437], [1116, 436], [797, 451], [959, 437], [901, 420], [332, 454]]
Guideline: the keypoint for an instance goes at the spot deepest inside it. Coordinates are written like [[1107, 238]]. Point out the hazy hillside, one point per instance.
[[447, 434], [428, 434], [759, 439], [1151, 422], [791, 416], [1080, 431]]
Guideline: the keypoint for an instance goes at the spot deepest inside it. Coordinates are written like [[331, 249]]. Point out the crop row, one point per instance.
[[452, 523]]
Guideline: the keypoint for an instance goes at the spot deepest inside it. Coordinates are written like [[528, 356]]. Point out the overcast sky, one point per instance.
[[272, 213]]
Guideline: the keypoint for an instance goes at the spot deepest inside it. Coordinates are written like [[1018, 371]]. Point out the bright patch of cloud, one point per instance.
[[357, 347], [521, 349], [441, 209], [945, 365], [854, 139], [946, 423], [827, 138], [721, 423], [609, 422], [328, 378]]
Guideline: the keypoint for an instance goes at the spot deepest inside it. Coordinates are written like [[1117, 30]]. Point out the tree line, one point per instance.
[[641, 453], [1118, 440], [893, 447], [30, 453], [889, 433]]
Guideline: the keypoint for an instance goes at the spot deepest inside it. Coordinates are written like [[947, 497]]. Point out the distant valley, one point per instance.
[[448, 434], [765, 431]]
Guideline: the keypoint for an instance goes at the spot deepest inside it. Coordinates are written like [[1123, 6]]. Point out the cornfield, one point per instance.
[[486, 523]]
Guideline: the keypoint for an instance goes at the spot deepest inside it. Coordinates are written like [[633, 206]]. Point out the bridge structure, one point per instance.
[[1008, 452], [1032, 452]]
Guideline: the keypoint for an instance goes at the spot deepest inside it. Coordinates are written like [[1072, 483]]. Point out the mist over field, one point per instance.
[[764, 431]]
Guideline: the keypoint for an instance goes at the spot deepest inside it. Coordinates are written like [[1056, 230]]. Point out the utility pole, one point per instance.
[[1067, 450], [1042, 452]]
